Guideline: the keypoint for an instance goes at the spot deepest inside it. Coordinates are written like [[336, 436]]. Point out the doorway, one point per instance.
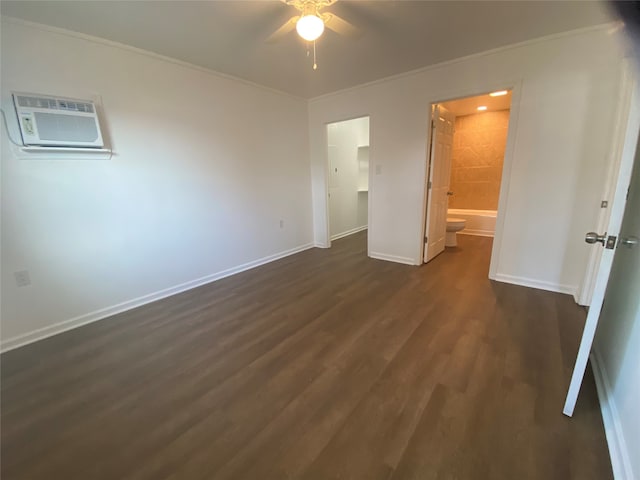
[[467, 148], [348, 164]]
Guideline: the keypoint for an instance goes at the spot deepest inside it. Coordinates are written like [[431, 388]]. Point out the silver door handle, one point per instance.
[[629, 241], [593, 237]]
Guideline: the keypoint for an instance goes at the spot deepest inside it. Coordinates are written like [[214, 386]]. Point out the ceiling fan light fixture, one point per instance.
[[310, 27]]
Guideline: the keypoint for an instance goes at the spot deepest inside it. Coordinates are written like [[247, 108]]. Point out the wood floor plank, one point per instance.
[[326, 364]]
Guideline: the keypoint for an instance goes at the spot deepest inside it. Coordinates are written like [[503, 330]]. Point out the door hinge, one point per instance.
[[429, 185], [426, 239]]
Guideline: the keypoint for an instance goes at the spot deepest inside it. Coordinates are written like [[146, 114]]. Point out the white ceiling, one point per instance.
[[469, 105], [229, 36]]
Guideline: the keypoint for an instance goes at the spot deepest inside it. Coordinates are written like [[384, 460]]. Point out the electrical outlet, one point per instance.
[[22, 278], [281, 223]]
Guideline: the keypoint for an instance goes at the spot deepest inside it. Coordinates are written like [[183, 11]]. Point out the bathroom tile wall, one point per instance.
[[477, 156]]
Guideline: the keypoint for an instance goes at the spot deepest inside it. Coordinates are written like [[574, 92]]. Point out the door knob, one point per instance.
[[629, 241], [593, 237]]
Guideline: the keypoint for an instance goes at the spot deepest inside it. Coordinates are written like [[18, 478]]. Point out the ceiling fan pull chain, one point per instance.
[[315, 65]]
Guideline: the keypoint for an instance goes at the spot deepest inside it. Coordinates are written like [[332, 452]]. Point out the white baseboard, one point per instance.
[[392, 258], [620, 461], [348, 232], [477, 233], [50, 330], [530, 282]]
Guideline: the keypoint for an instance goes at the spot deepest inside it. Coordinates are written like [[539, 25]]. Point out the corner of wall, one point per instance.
[[533, 283]]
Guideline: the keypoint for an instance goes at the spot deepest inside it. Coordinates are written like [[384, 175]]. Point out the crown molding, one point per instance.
[[146, 53], [612, 27], [609, 26]]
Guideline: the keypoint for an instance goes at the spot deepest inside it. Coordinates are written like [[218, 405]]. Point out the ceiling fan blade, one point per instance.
[[340, 25], [288, 26]]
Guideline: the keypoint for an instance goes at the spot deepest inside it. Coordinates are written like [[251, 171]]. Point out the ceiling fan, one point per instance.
[[311, 22]]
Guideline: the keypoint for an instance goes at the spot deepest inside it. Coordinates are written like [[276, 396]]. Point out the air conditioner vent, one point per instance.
[[54, 104], [75, 106]]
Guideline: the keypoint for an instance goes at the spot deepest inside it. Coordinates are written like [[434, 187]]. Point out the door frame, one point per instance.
[[327, 173], [514, 112]]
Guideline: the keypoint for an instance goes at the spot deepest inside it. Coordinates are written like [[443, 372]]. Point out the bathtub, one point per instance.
[[479, 222]]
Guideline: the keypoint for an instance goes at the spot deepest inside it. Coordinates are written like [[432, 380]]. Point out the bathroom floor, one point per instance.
[[326, 364]]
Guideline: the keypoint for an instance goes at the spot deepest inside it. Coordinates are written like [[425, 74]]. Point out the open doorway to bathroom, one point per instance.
[[468, 141], [348, 190]]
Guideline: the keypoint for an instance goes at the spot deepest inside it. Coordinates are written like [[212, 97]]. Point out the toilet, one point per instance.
[[454, 225]]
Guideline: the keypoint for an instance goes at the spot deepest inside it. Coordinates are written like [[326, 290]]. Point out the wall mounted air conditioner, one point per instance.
[[48, 121]]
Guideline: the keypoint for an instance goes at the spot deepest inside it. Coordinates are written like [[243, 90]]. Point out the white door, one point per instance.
[[608, 241], [618, 340], [438, 181]]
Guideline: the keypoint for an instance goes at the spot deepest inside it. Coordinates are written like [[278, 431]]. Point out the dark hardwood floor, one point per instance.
[[325, 364]]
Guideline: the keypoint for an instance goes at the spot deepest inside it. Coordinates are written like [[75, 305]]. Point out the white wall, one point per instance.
[[563, 108], [617, 346], [347, 203], [205, 169]]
